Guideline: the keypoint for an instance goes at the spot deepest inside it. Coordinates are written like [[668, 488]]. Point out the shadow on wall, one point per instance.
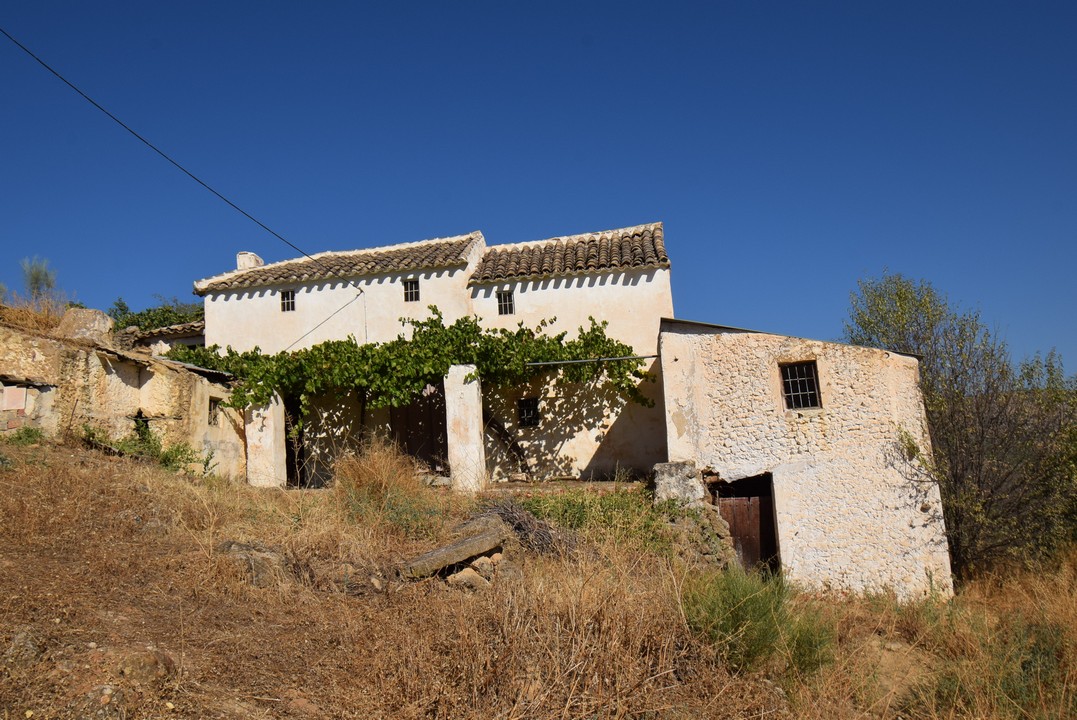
[[550, 429], [338, 425]]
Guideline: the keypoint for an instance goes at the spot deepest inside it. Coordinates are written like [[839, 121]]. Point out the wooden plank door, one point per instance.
[[751, 526]]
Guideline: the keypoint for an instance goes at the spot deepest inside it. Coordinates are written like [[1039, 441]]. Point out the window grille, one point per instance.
[[411, 291], [800, 385], [287, 300], [528, 411], [505, 303]]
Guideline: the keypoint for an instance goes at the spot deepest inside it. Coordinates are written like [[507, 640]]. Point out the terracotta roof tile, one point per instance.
[[436, 253], [641, 246]]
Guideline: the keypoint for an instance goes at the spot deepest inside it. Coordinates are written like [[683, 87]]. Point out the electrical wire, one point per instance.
[[327, 319], [157, 150]]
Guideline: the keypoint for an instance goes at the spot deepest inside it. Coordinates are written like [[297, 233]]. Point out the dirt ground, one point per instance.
[[114, 603]]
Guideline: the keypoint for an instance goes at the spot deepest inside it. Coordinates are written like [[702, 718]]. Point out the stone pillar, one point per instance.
[[463, 422], [267, 458]]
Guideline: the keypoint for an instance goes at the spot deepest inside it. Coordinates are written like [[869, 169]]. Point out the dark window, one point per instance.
[[411, 291], [505, 304], [287, 300], [800, 385], [214, 411], [528, 411]]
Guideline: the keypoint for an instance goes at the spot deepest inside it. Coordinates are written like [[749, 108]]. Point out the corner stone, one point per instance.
[[678, 481]]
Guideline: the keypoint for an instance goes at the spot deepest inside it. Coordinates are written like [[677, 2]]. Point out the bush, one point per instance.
[[626, 515], [749, 620], [25, 436]]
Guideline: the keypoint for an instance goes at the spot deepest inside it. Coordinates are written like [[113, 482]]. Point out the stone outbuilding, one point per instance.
[[75, 378], [810, 450]]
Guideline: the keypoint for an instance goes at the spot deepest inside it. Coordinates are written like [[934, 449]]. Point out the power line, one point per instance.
[[157, 150]]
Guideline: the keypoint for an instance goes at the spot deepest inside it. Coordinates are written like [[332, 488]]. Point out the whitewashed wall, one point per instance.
[[583, 431], [367, 308], [852, 510]]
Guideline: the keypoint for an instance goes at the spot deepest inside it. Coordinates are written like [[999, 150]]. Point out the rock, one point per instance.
[[264, 567], [508, 571], [468, 579], [299, 704], [148, 667], [679, 481], [25, 648], [85, 324], [483, 566], [104, 702], [479, 536]]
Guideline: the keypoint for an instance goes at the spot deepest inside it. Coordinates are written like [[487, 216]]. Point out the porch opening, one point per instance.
[[748, 506]]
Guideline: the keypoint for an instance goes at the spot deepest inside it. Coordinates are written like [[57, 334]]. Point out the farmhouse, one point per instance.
[[618, 276], [806, 447]]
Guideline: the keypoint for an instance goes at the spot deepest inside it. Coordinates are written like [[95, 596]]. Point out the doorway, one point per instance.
[[748, 506]]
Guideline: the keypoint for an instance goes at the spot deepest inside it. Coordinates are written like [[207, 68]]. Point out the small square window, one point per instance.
[[411, 291], [505, 303], [214, 411], [287, 300], [800, 385], [528, 411]]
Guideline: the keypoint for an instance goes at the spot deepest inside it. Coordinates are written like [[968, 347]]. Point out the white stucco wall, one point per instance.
[[368, 308], [633, 302], [583, 432], [852, 511]]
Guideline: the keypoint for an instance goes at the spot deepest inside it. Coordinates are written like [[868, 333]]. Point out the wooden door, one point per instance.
[[751, 525]]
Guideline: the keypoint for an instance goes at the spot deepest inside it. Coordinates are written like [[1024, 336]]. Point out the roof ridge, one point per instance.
[[471, 237], [631, 229]]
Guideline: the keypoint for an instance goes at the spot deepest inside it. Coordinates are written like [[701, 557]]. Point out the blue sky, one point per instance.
[[789, 148]]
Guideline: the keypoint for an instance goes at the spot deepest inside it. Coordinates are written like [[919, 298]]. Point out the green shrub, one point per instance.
[[624, 515], [1020, 669], [739, 612], [749, 620], [25, 436]]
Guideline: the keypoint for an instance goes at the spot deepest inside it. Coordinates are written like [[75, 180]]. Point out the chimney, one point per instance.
[[247, 260]]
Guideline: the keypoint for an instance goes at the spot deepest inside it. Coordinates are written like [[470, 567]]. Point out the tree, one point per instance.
[[166, 312], [38, 278], [1003, 435]]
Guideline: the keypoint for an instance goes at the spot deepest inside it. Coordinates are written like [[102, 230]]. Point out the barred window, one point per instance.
[[800, 385], [505, 303], [287, 300], [527, 410], [411, 291]]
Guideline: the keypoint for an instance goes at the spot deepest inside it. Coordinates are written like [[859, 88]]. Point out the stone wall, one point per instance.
[[852, 510], [65, 385]]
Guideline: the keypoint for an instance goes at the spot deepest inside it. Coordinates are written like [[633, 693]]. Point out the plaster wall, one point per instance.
[[266, 449], [584, 431], [463, 411], [852, 510], [632, 302], [367, 308]]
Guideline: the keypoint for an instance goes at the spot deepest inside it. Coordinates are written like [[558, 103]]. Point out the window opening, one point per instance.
[[214, 411], [411, 291], [505, 303], [528, 411], [800, 385], [287, 300]]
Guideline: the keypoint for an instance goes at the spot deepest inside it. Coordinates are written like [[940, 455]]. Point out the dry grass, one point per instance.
[[122, 555], [38, 315]]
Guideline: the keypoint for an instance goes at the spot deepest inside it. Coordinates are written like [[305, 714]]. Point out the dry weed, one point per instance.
[[38, 315]]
